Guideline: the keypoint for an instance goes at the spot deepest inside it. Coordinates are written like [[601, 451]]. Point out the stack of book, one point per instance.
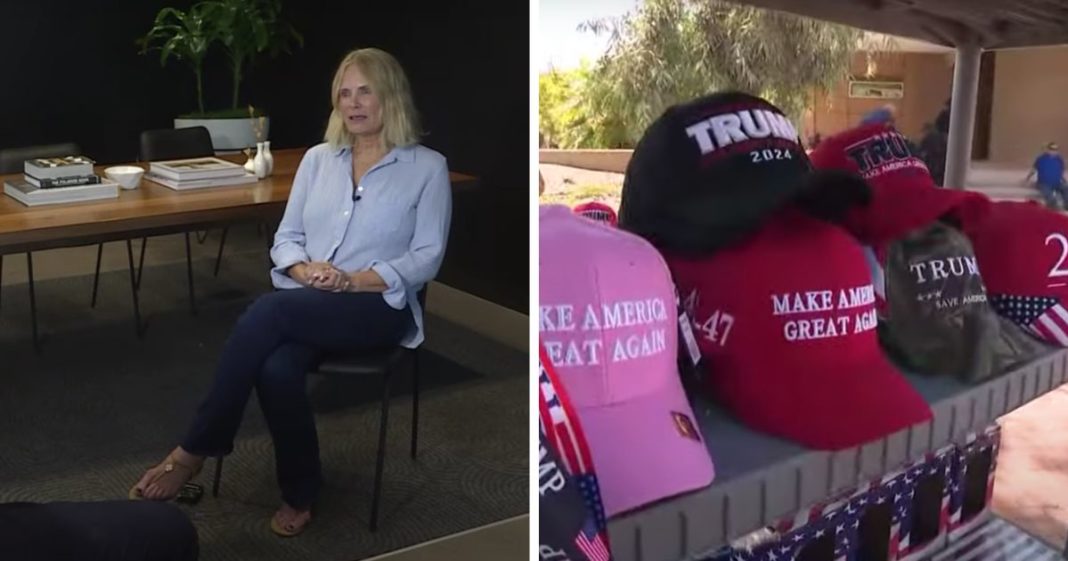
[[198, 173], [67, 179]]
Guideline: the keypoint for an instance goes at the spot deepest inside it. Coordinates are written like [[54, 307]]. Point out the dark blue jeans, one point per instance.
[[282, 336], [1051, 193]]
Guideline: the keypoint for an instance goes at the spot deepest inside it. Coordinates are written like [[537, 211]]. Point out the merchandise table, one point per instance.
[[761, 479]]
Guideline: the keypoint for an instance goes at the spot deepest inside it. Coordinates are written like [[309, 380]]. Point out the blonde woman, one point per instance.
[[364, 230]]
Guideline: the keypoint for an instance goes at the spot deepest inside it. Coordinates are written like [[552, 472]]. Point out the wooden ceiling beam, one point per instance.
[[958, 31]]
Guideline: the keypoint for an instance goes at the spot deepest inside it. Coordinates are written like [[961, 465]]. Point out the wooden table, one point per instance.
[[150, 210]]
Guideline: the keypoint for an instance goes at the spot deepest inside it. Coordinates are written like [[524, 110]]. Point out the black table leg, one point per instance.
[[141, 262], [218, 258], [133, 289], [189, 275], [96, 273]]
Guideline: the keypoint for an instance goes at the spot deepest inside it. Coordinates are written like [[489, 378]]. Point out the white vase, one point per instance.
[[250, 165], [260, 163], [270, 157]]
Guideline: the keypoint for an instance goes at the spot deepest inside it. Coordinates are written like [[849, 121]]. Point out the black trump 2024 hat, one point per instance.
[[707, 173]]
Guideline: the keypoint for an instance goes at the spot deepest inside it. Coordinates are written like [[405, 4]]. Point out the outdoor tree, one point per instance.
[[670, 51], [562, 111]]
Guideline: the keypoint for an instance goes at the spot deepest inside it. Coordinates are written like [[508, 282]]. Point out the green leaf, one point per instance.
[[243, 29]]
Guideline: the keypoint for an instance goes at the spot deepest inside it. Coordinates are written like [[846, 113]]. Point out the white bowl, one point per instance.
[[128, 177]]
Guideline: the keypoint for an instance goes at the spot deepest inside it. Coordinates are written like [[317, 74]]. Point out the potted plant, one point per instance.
[[244, 30]]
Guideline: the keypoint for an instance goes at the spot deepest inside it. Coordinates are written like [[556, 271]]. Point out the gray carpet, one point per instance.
[[83, 419]]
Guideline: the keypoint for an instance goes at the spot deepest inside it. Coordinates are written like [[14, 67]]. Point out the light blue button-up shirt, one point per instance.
[[398, 228]]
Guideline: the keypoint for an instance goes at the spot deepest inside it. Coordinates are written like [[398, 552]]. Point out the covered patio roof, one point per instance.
[[969, 26], [990, 24]]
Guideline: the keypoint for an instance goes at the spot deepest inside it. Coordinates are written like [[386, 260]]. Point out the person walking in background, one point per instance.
[[933, 152], [1050, 182], [884, 114], [933, 145]]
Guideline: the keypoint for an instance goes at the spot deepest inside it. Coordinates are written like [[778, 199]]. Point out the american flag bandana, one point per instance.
[[1041, 316], [835, 525], [841, 517], [897, 489], [904, 536], [560, 425], [591, 542], [987, 441]]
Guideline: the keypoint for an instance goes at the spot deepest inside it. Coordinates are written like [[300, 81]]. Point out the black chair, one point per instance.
[[168, 144], [11, 161], [176, 144], [379, 362]]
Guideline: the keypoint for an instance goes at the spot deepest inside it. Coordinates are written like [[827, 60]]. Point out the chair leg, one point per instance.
[[222, 242], [33, 302], [141, 262], [218, 476], [189, 275], [415, 400], [1, 274], [133, 290], [96, 273], [381, 462]]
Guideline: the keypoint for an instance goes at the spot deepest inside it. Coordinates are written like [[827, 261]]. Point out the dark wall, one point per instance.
[[72, 72]]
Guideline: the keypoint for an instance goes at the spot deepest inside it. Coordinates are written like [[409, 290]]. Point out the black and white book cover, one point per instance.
[[71, 181], [31, 195], [51, 168]]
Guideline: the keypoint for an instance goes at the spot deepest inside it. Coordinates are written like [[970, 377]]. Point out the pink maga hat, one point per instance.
[[608, 321]]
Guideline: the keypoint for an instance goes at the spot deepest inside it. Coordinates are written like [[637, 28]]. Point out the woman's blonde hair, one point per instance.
[[400, 121]]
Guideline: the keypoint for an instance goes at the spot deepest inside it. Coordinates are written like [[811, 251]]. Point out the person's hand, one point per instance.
[[311, 273], [332, 280]]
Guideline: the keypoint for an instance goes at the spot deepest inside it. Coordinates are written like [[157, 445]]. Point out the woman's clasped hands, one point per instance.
[[324, 276]]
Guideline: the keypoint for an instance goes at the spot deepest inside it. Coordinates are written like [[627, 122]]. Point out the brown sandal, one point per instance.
[[288, 531], [170, 465]]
